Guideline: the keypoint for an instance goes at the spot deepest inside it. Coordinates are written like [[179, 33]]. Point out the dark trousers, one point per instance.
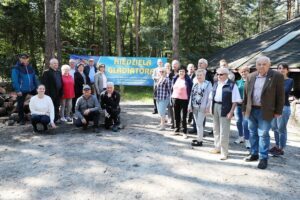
[[56, 103], [114, 118], [155, 106], [92, 116], [180, 106], [43, 119], [20, 103]]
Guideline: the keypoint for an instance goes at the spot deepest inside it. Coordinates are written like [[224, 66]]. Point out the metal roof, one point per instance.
[[246, 51]]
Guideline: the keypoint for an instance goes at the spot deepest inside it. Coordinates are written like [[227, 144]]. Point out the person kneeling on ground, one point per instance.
[[42, 110], [87, 109], [110, 100]]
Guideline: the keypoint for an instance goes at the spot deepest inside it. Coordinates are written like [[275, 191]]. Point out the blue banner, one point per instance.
[[134, 71]]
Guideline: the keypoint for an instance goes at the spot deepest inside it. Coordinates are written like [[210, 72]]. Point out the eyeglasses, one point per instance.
[[220, 74]]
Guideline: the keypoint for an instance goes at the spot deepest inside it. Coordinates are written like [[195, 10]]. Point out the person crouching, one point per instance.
[[110, 100], [87, 109]]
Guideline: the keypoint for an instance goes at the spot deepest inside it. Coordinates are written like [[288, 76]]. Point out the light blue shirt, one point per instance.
[[92, 74]]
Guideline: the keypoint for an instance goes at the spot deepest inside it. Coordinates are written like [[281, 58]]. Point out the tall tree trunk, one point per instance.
[[118, 28], [49, 31], [175, 40], [260, 16], [221, 10], [57, 29], [93, 25], [104, 28], [131, 40], [123, 33], [136, 28], [288, 9]]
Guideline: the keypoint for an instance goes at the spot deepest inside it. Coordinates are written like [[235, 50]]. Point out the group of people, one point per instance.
[[76, 93], [259, 101]]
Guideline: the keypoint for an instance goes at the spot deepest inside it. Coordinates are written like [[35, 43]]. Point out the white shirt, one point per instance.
[[104, 80], [42, 106], [72, 72], [235, 97]]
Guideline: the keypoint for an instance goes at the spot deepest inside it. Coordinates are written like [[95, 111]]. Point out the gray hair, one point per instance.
[[53, 60], [190, 65], [263, 58], [110, 84], [201, 71], [65, 67], [175, 62], [203, 60], [72, 60], [223, 70]]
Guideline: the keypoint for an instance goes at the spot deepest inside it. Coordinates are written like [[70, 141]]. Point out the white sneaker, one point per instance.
[[247, 144], [239, 140], [162, 128], [63, 119], [185, 136]]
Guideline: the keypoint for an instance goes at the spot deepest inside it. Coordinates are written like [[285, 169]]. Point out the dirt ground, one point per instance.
[[138, 162]]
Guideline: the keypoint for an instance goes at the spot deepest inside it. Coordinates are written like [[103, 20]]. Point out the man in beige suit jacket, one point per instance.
[[263, 100]]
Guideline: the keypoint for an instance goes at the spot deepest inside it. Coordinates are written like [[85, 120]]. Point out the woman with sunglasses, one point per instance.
[[279, 125], [225, 95], [162, 94]]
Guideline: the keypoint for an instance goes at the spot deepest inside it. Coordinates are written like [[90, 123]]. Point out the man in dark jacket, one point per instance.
[[24, 82], [110, 100], [52, 79], [263, 101]]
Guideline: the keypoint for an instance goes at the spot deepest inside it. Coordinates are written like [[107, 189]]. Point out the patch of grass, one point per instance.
[[137, 93]]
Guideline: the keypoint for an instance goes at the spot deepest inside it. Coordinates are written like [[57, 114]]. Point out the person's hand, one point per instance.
[[19, 94], [189, 110], [53, 125], [83, 121], [86, 112], [276, 115], [229, 115]]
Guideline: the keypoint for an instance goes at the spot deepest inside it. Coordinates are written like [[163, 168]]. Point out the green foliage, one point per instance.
[[22, 27]]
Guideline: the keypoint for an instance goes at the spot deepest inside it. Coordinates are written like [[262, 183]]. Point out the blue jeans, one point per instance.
[[241, 122], [162, 106], [259, 134], [279, 127]]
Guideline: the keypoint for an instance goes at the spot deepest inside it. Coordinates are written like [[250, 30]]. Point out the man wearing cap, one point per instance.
[[24, 82], [52, 79], [155, 77], [263, 101], [87, 109]]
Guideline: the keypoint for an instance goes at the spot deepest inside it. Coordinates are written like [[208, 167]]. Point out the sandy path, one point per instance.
[[137, 163]]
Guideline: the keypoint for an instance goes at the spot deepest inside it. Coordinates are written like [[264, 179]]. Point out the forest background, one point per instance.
[[182, 29]]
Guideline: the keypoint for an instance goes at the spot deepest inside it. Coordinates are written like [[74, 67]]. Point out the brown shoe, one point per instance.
[[215, 151]]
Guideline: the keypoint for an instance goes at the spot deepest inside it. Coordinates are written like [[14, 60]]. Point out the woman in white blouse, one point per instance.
[[100, 80], [42, 110]]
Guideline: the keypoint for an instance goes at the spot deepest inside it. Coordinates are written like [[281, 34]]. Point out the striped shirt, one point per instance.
[[163, 89]]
